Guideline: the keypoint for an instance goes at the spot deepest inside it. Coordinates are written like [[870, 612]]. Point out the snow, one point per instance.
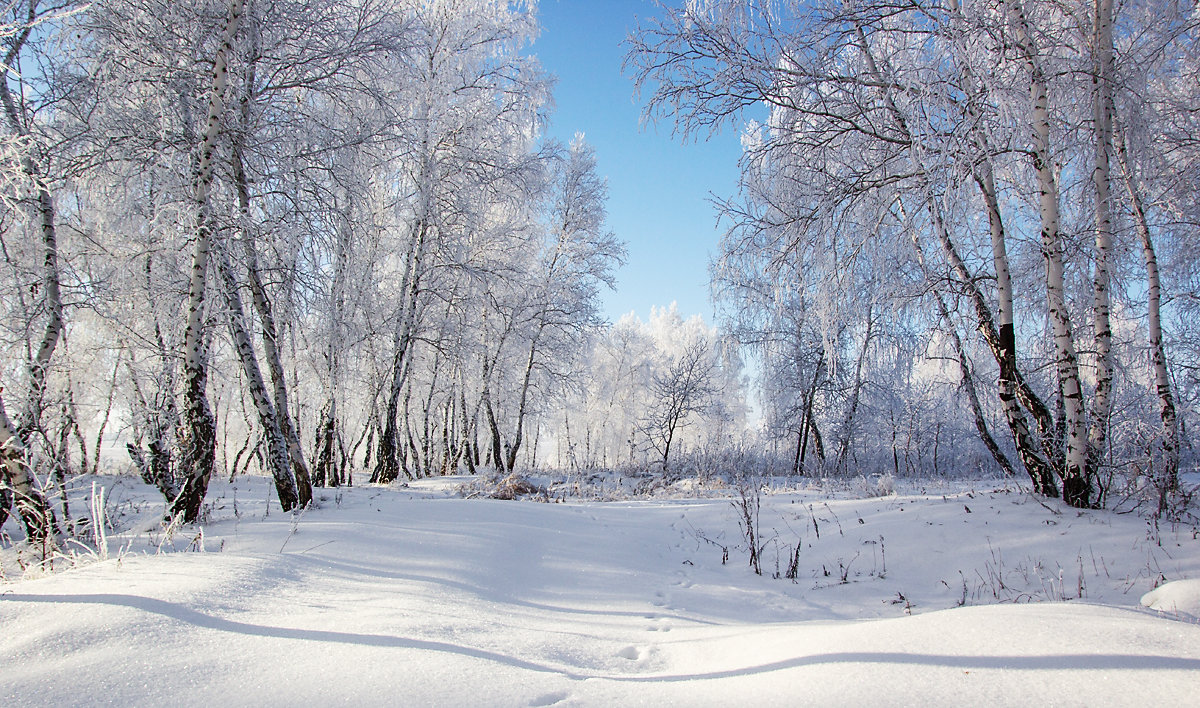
[[416, 596], [1181, 597]]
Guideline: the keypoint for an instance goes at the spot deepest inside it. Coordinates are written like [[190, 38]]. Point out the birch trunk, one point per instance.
[[262, 303], [808, 424], [270, 338], [496, 448], [387, 466], [1077, 484], [31, 418], [31, 414], [1013, 390], [19, 487], [199, 454], [1012, 387], [469, 446], [278, 453], [968, 385], [18, 476], [968, 380], [1168, 481], [1102, 108]]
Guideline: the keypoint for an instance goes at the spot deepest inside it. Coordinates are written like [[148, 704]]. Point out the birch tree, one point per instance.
[[201, 440], [1102, 102], [872, 104], [29, 152], [1077, 478]]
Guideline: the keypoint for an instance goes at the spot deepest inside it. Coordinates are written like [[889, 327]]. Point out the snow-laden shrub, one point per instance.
[[506, 487], [879, 485]]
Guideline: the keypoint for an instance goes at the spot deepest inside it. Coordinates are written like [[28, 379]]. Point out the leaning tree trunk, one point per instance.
[[278, 453], [808, 424], [1013, 390], [17, 475], [270, 338], [262, 303], [30, 418], [1000, 333], [968, 380], [968, 385], [1012, 387], [1168, 480], [199, 453], [18, 485], [1001, 338]]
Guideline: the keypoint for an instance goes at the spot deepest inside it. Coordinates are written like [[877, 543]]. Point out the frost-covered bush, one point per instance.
[[879, 485]]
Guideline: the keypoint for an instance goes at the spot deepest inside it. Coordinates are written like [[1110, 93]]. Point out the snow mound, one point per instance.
[[1177, 597]]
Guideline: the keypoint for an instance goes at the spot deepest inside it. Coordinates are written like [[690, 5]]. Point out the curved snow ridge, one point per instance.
[[1178, 597], [1072, 653]]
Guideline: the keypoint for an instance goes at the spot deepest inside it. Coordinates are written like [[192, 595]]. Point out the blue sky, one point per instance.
[[658, 186]]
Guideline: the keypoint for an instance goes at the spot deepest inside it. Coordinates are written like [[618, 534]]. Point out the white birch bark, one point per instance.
[[199, 455], [258, 291], [19, 486], [1076, 484], [1102, 77], [1169, 474], [1012, 388], [29, 418], [968, 379], [17, 474], [278, 451], [301, 481]]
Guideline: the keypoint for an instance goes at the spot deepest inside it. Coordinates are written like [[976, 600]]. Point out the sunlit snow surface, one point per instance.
[[413, 596]]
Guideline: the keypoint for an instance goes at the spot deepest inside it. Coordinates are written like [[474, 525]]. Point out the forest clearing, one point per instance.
[[600, 353]]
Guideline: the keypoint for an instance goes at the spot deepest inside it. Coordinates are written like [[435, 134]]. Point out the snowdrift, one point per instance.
[[412, 596]]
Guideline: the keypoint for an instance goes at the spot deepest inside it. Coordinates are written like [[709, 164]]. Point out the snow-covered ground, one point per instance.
[[955, 594]]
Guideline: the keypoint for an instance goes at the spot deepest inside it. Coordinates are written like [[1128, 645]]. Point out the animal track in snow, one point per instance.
[[550, 699]]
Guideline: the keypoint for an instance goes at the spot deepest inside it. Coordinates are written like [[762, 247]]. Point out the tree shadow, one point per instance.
[[199, 619], [353, 571]]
